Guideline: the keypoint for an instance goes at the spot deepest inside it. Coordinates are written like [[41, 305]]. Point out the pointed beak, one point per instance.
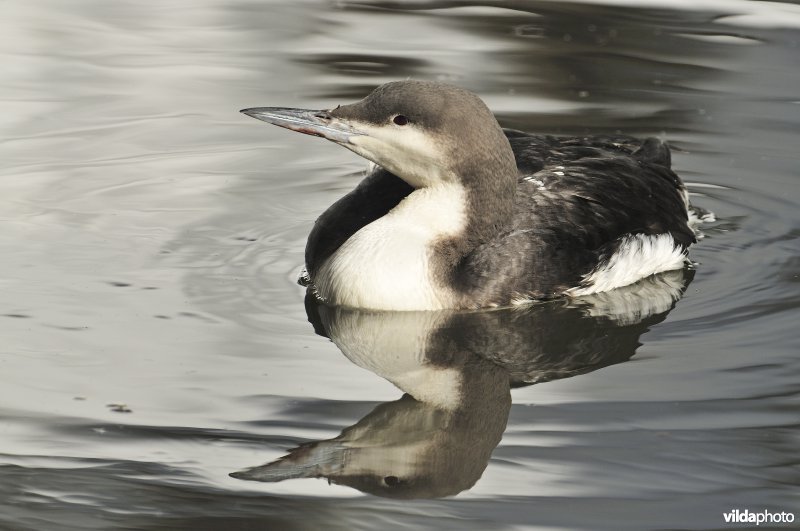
[[315, 123]]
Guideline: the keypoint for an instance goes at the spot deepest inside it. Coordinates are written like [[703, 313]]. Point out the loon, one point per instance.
[[459, 213]]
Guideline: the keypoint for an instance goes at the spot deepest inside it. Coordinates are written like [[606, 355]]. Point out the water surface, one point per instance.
[[155, 339]]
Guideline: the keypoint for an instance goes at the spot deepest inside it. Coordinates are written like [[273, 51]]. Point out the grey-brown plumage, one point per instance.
[[574, 198], [542, 212]]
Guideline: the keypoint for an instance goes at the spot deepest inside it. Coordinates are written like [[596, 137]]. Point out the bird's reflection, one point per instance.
[[457, 370]]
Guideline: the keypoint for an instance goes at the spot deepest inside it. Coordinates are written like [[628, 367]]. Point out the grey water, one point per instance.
[[154, 338]]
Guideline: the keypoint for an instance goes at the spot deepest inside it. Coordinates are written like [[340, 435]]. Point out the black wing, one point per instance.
[[576, 199]]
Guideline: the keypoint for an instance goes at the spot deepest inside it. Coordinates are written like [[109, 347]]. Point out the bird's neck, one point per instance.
[[461, 215], [488, 198]]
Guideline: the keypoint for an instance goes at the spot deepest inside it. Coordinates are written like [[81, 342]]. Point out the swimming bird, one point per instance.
[[460, 213]]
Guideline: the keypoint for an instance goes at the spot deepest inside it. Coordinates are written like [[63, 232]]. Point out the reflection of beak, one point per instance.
[[312, 460], [315, 123]]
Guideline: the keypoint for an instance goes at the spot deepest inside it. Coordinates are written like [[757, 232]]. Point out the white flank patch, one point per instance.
[[386, 264], [638, 257]]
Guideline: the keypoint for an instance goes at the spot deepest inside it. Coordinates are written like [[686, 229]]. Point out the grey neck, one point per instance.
[[490, 190]]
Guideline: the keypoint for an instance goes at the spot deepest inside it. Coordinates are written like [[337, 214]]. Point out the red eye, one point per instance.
[[400, 119]]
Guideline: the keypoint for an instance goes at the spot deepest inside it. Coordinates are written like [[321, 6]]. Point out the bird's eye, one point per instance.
[[391, 480], [400, 119]]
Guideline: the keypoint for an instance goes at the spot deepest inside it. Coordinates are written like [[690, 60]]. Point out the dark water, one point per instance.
[[154, 339]]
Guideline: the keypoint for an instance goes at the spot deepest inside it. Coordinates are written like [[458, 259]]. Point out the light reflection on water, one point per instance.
[[151, 238]]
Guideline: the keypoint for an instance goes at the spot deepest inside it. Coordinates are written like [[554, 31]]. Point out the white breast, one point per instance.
[[386, 265]]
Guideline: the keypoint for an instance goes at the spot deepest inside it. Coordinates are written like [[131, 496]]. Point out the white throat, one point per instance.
[[386, 265]]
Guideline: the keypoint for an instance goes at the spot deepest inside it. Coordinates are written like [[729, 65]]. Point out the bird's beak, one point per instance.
[[311, 460], [315, 123]]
